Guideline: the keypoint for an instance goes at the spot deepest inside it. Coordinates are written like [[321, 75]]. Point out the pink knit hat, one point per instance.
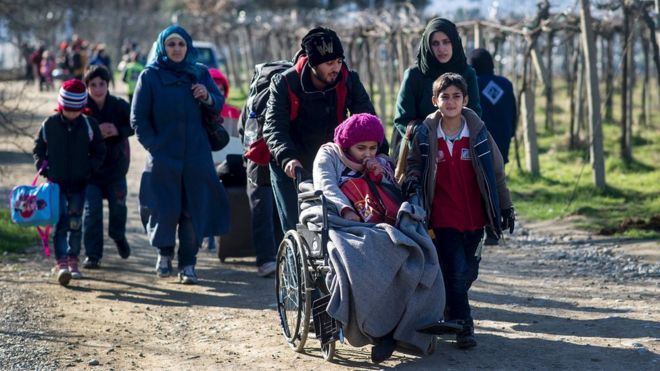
[[361, 127]]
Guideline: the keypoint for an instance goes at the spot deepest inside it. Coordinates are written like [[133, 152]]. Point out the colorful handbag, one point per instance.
[[36, 205], [374, 202]]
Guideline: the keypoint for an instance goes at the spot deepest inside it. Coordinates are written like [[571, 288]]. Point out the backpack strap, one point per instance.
[[341, 90], [41, 169], [342, 94], [44, 235], [90, 132], [400, 170], [294, 101], [43, 131]]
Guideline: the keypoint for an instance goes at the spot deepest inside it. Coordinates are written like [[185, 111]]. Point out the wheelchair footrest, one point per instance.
[[326, 328]]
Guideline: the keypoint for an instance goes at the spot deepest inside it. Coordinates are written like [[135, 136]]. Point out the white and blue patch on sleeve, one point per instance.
[[465, 154], [492, 92]]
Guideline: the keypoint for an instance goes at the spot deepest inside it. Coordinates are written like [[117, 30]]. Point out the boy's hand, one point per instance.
[[508, 219], [410, 185]]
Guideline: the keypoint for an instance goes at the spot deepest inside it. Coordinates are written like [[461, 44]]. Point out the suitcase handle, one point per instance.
[[36, 178]]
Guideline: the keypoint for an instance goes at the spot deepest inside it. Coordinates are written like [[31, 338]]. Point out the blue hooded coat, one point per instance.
[[179, 171]]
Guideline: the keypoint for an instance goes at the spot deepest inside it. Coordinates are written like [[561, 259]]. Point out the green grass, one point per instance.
[[14, 238], [565, 187]]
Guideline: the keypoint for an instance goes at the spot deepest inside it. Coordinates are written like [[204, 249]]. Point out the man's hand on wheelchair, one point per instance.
[[508, 219], [290, 168]]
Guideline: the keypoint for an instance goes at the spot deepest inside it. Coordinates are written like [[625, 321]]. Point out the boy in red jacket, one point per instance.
[[464, 189]]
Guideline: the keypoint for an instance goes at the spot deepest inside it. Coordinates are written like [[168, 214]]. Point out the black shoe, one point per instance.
[[91, 263], [383, 349], [465, 339], [491, 241], [491, 237], [441, 328], [123, 249]]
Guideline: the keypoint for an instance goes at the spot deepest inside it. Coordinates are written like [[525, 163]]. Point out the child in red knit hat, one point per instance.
[[70, 146]]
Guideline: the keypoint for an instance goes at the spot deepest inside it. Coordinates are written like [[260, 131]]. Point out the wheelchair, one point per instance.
[[302, 294]]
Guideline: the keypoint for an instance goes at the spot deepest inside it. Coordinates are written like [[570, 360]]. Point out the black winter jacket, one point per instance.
[[72, 156], [116, 111], [317, 118]]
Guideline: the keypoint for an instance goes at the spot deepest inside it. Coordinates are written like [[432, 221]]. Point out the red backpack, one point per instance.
[[374, 202]]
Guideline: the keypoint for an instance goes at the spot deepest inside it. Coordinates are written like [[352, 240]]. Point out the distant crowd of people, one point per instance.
[[71, 58], [453, 115]]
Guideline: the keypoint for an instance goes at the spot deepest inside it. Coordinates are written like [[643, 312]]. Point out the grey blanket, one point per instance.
[[382, 278]]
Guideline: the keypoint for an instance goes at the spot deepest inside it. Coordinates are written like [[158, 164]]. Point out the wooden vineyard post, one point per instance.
[[593, 94]]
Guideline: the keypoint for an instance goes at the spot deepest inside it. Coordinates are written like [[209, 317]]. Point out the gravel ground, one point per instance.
[[549, 297]]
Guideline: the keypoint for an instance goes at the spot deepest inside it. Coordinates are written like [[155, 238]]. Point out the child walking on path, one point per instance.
[[73, 146], [464, 190], [109, 182]]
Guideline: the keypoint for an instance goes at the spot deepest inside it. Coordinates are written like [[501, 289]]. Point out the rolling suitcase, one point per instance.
[[238, 242]]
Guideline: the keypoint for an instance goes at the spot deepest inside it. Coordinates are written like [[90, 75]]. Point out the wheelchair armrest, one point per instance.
[[305, 186], [309, 195]]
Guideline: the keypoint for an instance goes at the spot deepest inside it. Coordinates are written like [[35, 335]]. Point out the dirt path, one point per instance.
[[550, 298]]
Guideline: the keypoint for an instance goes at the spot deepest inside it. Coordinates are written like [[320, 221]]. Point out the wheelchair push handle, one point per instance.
[[298, 176]]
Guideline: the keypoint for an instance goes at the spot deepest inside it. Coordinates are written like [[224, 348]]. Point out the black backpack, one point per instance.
[[257, 99]]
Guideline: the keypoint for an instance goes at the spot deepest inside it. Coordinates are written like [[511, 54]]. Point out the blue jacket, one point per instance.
[[498, 103], [179, 168]]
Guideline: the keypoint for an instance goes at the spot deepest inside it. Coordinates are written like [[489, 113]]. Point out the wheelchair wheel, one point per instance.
[[294, 301], [328, 351]]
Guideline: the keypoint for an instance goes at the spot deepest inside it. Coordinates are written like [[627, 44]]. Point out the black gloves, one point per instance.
[[409, 186], [508, 219]]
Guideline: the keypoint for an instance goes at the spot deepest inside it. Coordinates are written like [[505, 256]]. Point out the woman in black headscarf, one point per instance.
[[440, 51]]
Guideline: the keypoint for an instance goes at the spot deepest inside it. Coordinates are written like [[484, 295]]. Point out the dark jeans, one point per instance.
[[286, 197], [115, 193], [188, 244], [460, 267], [266, 230], [68, 230]]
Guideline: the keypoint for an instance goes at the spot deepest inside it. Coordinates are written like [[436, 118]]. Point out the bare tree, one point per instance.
[[595, 125]]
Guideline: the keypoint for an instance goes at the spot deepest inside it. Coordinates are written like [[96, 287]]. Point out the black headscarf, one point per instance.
[[482, 62], [428, 63]]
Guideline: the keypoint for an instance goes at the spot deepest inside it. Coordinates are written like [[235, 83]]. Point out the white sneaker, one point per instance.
[[163, 266], [187, 276], [266, 269]]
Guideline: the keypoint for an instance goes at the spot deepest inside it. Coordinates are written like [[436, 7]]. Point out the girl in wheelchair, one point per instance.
[[384, 280], [357, 182]]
